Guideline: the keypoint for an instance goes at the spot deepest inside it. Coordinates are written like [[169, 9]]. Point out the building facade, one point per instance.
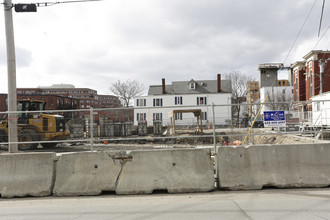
[[183, 95], [252, 95], [67, 97], [311, 76]]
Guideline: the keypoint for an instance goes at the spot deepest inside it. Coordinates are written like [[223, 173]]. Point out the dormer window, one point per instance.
[[192, 85]]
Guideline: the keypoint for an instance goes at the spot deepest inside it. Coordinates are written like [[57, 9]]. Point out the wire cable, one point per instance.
[[294, 42], [45, 4], [321, 38]]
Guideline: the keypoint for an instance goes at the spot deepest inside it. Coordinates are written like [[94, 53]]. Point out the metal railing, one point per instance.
[[96, 128]]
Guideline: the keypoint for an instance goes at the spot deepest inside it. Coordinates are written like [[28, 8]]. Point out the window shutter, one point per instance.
[[154, 102], [145, 102], [181, 100], [137, 102], [176, 100], [161, 102], [197, 100], [161, 116], [145, 116], [137, 116], [205, 101]]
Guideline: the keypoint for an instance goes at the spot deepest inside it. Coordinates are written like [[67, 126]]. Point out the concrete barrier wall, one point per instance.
[[134, 172], [283, 166], [174, 170], [86, 173], [27, 174]]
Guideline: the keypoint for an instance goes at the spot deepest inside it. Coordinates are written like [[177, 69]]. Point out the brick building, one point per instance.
[[307, 77], [66, 97], [53, 102], [87, 97]]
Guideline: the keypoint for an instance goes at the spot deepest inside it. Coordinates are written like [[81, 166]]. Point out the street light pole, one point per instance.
[[11, 67]]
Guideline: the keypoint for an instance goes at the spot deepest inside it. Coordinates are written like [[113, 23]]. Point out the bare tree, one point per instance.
[[126, 90], [239, 90], [279, 101]]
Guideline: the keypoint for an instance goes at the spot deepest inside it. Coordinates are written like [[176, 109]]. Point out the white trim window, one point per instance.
[[201, 101], [141, 102], [158, 102], [317, 106], [141, 116], [178, 100], [178, 116], [192, 85], [157, 116], [204, 115]]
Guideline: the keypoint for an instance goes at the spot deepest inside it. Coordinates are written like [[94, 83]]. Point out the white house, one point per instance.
[[180, 95], [321, 109]]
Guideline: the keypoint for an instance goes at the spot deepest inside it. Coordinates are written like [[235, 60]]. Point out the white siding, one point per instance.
[[222, 113], [321, 110]]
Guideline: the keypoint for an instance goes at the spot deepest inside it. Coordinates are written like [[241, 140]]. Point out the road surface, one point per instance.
[[263, 204]]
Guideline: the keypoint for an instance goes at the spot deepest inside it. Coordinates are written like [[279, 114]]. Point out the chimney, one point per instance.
[[163, 86], [219, 83]]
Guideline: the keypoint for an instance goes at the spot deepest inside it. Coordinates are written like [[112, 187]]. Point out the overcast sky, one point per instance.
[[92, 45]]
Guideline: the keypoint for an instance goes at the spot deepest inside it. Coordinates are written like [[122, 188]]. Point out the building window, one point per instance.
[[157, 116], [201, 101], [317, 106], [192, 85], [158, 102], [204, 115], [141, 102], [178, 100], [141, 116], [178, 116]]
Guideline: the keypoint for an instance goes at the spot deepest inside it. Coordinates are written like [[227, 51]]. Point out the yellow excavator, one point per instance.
[[35, 126]]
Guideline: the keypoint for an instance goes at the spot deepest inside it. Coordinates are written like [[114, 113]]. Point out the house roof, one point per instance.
[[182, 87]]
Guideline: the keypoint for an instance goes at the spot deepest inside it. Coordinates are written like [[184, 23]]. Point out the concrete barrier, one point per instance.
[[26, 174], [134, 172], [174, 170], [86, 173], [282, 166]]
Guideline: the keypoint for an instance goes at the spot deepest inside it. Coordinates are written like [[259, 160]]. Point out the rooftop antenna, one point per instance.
[[11, 63]]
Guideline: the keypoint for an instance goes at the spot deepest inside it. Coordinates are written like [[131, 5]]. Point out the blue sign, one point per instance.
[[274, 118]]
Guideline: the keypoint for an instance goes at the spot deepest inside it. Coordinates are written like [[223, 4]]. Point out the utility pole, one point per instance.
[[11, 67]]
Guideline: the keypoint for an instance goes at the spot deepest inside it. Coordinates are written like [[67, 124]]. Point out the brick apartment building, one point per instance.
[[66, 97], [307, 77]]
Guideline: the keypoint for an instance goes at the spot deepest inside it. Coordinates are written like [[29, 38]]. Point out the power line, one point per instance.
[[44, 4], [294, 42], [321, 38]]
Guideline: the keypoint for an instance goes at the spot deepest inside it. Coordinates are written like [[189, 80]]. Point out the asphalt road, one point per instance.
[[263, 204]]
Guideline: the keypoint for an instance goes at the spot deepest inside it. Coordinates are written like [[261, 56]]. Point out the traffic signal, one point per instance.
[[25, 7]]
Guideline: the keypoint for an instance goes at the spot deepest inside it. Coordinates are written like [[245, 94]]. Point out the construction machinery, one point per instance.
[[35, 126]]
